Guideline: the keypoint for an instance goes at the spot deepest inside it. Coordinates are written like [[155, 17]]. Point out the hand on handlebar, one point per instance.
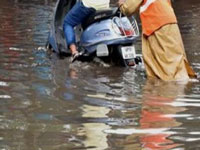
[[120, 2]]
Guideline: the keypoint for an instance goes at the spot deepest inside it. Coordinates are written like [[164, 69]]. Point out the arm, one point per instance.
[[128, 7]]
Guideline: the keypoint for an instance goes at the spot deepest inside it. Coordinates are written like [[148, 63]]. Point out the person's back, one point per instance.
[[151, 21], [98, 4]]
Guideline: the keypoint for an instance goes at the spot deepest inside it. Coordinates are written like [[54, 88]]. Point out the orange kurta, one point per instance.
[[155, 14]]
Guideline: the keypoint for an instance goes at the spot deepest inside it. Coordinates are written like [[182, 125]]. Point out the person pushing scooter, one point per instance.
[[162, 45], [79, 13]]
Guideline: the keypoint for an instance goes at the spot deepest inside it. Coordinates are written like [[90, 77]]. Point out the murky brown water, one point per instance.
[[46, 103]]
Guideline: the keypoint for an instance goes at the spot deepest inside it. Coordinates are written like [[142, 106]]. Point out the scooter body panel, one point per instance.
[[108, 32], [105, 32]]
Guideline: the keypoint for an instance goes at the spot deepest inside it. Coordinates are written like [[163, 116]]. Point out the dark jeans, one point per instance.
[[74, 17]]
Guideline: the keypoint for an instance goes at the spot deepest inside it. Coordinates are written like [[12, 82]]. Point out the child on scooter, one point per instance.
[[79, 12]]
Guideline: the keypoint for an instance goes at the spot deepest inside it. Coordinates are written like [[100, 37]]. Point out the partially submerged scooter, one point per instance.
[[106, 34]]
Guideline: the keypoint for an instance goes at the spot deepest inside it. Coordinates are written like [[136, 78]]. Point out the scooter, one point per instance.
[[107, 35]]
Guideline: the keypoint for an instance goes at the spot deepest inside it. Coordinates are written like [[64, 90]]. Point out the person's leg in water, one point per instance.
[[73, 18]]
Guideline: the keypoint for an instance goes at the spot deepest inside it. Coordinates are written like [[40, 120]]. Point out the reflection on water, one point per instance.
[[48, 103], [157, 117]]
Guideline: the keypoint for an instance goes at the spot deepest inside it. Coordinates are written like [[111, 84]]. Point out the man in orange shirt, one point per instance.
[[162, 46]]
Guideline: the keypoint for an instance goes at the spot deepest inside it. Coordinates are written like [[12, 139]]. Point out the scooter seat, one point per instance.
[[100, 15]]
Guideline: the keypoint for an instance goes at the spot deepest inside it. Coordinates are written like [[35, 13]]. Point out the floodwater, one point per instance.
[[46, 103]]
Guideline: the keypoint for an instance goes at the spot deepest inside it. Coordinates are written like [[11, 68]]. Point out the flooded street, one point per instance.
[[46, 103]]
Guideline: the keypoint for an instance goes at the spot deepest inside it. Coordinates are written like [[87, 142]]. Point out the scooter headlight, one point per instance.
[[123, 26], [116, 26]]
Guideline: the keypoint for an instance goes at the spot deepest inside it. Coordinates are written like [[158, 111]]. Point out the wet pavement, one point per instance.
[[46, 103]]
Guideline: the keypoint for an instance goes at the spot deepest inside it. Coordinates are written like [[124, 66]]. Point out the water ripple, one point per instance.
[[48, 103]]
